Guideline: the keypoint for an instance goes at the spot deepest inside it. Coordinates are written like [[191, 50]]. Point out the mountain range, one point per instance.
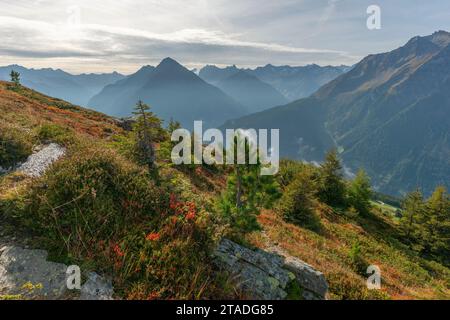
[[211, 94], [292, 82], [173, 92], [77, 89], [389, 114], [251, 92]]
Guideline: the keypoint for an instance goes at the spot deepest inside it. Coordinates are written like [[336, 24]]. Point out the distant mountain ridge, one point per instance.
[[213, 74], [77, 89], [173, 92], [390, 114], [292, 82], [298, 82], [239, 90], [251, 92]]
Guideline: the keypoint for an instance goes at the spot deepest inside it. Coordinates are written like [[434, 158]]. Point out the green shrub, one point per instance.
[[124, 144], [346, 286], [98, 210], [298, 201], [246, 194], [15, 145], [54, 133], [90, 196], [332, 186], [359, 193], [170, 261], [294, 291], [356, 259], [288, 170]]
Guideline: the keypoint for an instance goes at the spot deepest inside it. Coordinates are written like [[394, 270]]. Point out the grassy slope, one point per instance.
[[94, 139], [404, 275], [28, 109]]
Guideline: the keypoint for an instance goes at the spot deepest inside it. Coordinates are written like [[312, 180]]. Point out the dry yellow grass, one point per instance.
[[29, 109], [404, 275]]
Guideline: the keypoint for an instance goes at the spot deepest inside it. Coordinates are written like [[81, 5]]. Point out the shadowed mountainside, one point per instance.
[[390, 115], [77, 89], [173, 92]]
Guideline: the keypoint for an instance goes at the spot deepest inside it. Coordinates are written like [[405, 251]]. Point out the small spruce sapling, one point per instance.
[[145, 131], [15, 78]]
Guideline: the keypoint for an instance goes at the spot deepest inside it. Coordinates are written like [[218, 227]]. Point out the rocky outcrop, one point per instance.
[[269, 276], [40, 160], [125, 123], [27, 274], [96, 288]]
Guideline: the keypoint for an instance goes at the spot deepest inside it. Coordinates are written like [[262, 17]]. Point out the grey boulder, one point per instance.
[[264, 275], [26, 274]]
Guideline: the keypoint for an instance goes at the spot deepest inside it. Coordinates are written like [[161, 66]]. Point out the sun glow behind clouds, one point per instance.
[[106, 42]]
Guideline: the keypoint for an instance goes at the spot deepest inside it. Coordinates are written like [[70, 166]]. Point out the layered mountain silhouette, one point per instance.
[[251, 92], [77, 89], [213, 74], [390, 115], [173, 92], [292, 82], [298, 82]]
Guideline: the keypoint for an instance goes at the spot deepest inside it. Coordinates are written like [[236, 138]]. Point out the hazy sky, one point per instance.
[[105, 35]]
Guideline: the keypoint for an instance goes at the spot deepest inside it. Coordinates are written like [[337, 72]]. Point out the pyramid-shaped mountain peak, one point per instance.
[[169, 62]]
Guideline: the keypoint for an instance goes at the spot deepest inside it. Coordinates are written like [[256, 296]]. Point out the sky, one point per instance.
[[105, 35]]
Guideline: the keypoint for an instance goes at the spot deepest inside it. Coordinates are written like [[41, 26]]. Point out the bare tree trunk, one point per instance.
[[411, 217], [148, 146], [238, 187]]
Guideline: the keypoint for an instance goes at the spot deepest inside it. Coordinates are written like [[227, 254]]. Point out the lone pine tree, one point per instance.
[[332, 187], [360, 192], [15, 78], [247, 192], [144, 128]]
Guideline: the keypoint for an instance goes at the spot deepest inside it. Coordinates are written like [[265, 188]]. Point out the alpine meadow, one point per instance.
[[243, 151]]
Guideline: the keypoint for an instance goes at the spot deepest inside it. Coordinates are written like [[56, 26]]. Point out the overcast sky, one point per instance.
[[105, 35]]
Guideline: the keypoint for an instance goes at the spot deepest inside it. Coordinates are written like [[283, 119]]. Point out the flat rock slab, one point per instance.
[[38, 162], [27, 274], [308, 278], [96, 288], [268, 275], [19, 267]]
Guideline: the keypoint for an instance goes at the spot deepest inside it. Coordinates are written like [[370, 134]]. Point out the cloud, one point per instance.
[[85, 35], [25, 38], [63, 35], [329, 10]]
